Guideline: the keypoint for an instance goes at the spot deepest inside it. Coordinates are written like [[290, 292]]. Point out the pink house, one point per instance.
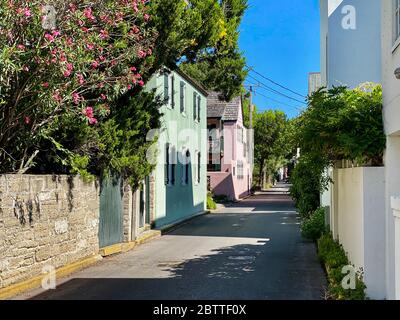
[[229, 159]]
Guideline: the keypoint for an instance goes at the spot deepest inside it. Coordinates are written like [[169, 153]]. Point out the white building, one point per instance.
[[350, 56], [391, 97]]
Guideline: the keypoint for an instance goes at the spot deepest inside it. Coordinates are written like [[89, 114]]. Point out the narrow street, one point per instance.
[[252, 250]]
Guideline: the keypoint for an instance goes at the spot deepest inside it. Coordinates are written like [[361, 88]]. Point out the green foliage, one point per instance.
[[334, 258], [270, 145], [308, 182], [211, 205], [221, 66], [313, 227], [344, 124]]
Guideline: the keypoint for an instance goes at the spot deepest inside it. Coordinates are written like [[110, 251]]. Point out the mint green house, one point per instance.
[[180, 176]]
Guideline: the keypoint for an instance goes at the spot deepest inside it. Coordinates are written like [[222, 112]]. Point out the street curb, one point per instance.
[[35, 282], [127, 246], [173, 226]]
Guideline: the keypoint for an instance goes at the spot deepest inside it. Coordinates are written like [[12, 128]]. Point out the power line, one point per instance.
[[274, 82], [263, 85], [280, 102]]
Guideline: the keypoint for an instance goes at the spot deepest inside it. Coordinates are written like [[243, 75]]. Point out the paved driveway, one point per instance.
[[252, 250]]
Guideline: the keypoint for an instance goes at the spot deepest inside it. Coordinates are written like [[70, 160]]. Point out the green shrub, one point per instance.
[[211, 205], [332, 254], [313, 227]]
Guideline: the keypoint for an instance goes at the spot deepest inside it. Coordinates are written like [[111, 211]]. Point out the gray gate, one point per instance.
[[111, 212]]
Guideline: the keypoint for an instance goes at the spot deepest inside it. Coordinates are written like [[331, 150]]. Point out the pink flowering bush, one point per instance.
[[71, 58]]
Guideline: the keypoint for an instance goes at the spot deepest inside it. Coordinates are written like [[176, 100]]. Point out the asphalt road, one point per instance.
[[252, 250]]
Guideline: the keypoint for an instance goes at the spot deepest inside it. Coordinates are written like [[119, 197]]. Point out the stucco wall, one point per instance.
[[360, 216], [45, 221], [180, 201], [391, 102], [354, 55]]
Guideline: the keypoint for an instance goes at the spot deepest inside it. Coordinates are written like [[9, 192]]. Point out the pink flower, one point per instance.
[[21, 47], [133, 69], [141, 54], [45, 84], [89, 14], [90, 46], [103, 96], [88, 112], [102, 58], [49, 37], [76, 98], [92, 120], [81, 79], [81, 23], [146, 17], [72, 7], [27, 120], [135, 29], [141, 83], [129, 87], [95, 64], [104, 34], [85, 30], [149, 52], [57, 97], [70, 66], [67, 73], [70, 42], [27, 12], [56, 33], [25, 68]]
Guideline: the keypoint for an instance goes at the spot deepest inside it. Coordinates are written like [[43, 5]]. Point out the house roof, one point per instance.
[[217, 107], [190, 80]]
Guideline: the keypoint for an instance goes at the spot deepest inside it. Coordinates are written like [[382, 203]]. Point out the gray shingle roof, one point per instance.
[[217, 107]]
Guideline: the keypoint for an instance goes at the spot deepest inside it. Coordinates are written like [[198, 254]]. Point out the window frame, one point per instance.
[[182, 97]]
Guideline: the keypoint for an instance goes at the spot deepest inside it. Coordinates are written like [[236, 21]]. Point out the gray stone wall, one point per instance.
[[45, 221]]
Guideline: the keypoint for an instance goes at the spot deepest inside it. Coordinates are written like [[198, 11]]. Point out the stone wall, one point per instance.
[[45, 221]]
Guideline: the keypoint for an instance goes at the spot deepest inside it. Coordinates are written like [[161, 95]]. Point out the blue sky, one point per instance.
[[280, 40]]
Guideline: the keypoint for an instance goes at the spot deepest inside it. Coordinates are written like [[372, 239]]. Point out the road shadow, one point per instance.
[[237, 272]]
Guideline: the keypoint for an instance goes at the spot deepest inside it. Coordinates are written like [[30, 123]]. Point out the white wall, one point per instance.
[[391, 101], [360, 228]]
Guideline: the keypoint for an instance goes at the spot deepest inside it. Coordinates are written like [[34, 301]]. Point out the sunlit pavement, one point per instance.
[[252, 250]]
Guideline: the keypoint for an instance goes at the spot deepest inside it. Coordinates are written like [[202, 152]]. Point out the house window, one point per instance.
[[186, 168], [397, 19], [198, 168], [198, 107], [195, 106], [182, 96], [170, 164], [169, 90], [240, 134], [240, 173]]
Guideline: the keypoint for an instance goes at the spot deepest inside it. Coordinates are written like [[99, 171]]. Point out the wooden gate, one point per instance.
[[111, 212]]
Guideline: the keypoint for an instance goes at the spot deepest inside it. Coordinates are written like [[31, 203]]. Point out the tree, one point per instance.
[[269, 143], [69, 59], [221, 66]]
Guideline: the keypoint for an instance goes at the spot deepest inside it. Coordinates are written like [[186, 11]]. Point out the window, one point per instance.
[[170, 164], [169, 90], [240, 174], [396, 19], [198, 168], [198, 107], [166, 166], [240, 134], [186, 168], [183, 97], [195, 106]]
